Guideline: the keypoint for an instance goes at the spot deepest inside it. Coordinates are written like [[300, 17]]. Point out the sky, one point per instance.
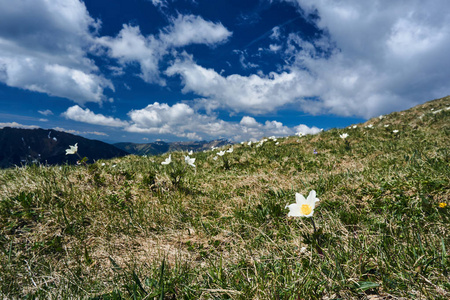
[[179, 70]]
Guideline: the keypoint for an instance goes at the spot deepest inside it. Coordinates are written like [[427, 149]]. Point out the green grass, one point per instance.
[[135, 229]]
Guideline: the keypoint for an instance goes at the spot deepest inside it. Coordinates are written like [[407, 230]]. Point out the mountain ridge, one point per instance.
[[160, 147], [26, 146]]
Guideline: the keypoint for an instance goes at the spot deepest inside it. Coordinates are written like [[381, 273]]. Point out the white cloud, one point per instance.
[[46, 112], [276, 34], [131, 46], [274, 47], [159, 3], [391, 55], [242, 59], [98, 133], [190, 29], [43, 48], [253, 94], [307, 130], [17, 125], [182, 121], [76, 113]]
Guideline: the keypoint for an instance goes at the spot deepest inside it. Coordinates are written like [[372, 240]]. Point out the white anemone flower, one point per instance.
[[73, 149], [190, 152], [230, 150], [189, 161], [343, 136], [303, 207], [167, 161], [221, 153], [215, 157], [395, 131]]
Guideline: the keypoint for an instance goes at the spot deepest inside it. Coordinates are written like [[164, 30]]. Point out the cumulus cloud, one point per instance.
[[389, 55], [131, 46], [182, 121], [43, 48], [254, 94], [307, 130], [190, 29], [76, 113]]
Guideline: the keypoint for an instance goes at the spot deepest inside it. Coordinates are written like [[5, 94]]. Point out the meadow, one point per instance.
[[134, 228]]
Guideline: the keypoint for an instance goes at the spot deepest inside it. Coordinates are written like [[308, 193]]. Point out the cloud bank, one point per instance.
[[183, 121], [43, 48]]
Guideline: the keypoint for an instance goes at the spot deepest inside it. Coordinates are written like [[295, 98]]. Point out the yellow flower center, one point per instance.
[[306, 209]]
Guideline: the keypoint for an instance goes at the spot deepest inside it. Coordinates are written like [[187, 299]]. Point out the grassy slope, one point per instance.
[[134, 228]]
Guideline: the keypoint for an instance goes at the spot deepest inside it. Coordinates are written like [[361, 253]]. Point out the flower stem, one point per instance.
[[314, 224], [316, 237]]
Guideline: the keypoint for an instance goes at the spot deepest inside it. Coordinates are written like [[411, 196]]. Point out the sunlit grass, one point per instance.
[[135, 228]]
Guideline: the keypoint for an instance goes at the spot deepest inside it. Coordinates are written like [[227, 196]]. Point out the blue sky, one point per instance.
[[172, 70]]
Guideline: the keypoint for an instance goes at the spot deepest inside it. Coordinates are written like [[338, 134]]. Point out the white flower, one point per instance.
[[189, 161], [167, 161], [303, 249], [277, 143], [190, 152], [387, 125], [381, 117], [215, 157], [355, 126], [300, 134], [230, 150], [303, 207], [103, 164], [369, 126], [221, 153], [249, 143], [395, 131], [343, 136], [73, 149]]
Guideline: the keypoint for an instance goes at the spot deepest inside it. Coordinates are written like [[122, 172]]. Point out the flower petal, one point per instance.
[[299, 198], [294, 210], [311, 200]]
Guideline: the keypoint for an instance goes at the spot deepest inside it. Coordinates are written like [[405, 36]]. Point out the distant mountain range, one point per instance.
[[26, 146], [159, 147]]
